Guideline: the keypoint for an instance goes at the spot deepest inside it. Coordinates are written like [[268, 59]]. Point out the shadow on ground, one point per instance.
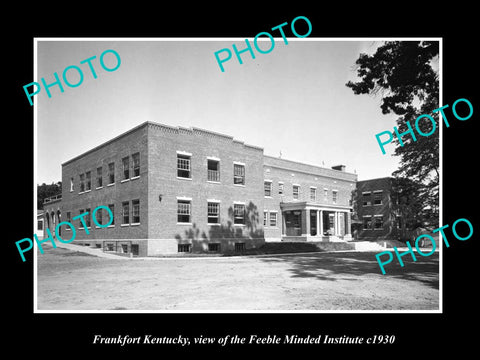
[[348, 265]]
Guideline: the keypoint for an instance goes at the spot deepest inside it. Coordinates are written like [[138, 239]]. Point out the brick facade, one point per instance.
[[191, 190]]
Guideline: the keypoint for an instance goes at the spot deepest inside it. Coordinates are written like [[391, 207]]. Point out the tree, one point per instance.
[[44, 191], [402, 72]]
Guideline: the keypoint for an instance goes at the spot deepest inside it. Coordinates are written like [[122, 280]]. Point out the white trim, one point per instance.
[[184, 198], [135, 224], [377, 215], [214, 201], [184, 223], [100, 187], [377, 191], [124, 180], [239, 163], [111, 184], [281, 182], [184, 153], [240, 185], [363, 216], [313, 187], [267, 180], [296, 185], [184, 178], [124, 225], [366, 192], [135, 177], [213, 158], [273, 211], [239, 203]]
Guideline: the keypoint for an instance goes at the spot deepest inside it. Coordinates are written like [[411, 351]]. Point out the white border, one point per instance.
[[306, 39]]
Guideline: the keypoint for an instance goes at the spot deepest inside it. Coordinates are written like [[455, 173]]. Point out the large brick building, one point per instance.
[[175, 189]]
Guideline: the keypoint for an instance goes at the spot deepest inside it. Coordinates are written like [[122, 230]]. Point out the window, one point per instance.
[[334, 196], [378, 223], [296, 191], [69, 217], [109, 247], [366, 198], [239, 247], [71, 184], [184, 247], [377, 197], [280, 188], [99, 217], [125, 213], [111, 173], [399, 221], [40, 225], [125, 248], [213, 170], [268, 188], [183, 166], [136, 164], [136, 211], [313, 194], [112, 209], [367, 222], [82, 182], [214, 247], [99, 177], [273, 219], [239, 174], [325, 193], [265, 218], [88, 181], [213, 210], [80, 219], [183, 211], [87, 218], [126, 168], [239, 214]]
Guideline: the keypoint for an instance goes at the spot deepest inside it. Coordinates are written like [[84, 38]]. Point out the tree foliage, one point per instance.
[[402, 73], [44, 191]]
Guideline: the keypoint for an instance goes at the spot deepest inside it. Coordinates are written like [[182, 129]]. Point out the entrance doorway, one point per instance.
[[293, 223]]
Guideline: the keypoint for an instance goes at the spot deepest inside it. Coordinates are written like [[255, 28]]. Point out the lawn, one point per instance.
[[315, 281]]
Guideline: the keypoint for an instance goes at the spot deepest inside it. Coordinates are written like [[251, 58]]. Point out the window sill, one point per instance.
[[135, 177], [183, 178], [214, 224], [110, 226], [135, 224], [213, 182], [242, 225], [239, 185], [268, 197], [86, 191], [111, 184], [124, 180], [182, 223], [100, 187], [124, 225]]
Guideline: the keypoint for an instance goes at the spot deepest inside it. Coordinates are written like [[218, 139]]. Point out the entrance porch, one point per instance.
[[302, 221]]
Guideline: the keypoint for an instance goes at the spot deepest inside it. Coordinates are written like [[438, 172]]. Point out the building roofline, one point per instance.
[[192, 130], [379, 178], [303, 163]]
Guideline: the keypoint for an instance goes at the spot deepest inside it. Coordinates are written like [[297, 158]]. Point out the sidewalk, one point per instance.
[[87, 250]]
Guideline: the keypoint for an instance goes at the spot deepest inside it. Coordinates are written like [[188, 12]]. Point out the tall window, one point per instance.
[[213, 170], [366, 198], [296, 191], [183, 166], [69, 217], [126, 168], [280, 188], [367, 222], [82, 182], [313, 194], [239, 174], [125, 213], [71, 184], [378, 222], [239, 214], [268, 188], [99, 177], [265, 218], [87, 218], [184, 211], [111, 173], [334, 196], [273, 219], [377, 197], [80, 219], [88, 181], [136, 164], [99, 217], [112, 209], [136, 211], [213, 210]]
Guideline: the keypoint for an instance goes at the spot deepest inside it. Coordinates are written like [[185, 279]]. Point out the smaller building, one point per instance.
[[376, 217]]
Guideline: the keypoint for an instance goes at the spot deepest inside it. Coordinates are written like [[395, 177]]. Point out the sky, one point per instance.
[[292, 100]]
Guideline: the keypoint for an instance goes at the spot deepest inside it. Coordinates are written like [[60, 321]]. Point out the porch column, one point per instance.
[[336, 222], [307, 223], [320, 228], [284, 225], [318, 223], [348, 224]]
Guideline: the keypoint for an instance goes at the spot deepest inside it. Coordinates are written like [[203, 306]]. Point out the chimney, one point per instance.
[[339, 167]]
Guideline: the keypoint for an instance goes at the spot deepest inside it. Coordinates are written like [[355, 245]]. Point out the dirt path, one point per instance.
[[318, 281]]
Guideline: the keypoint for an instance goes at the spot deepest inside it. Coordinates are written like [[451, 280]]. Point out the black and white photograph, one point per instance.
[[291, 181]]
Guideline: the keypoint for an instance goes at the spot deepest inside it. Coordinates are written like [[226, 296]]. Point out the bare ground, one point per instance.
[[70, 280]]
